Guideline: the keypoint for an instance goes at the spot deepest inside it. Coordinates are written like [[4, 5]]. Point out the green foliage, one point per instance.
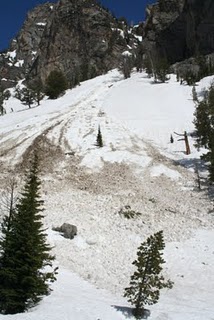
[[126, 65], [204, 123], [139, 58], [161, 69], [25, 95], [4, 95], [99, 138], [128, 213], [190, 77], [194, 69], [147, 65], [147, 281], [156, 66], [37, 90], [24, 255], [206, 66], [55, 84]]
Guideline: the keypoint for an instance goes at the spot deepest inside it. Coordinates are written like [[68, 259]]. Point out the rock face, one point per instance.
[[79, 37], [16, 63], [179, 29]]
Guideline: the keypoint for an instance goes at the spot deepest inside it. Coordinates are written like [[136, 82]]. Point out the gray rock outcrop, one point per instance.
[[81, 38], [68, 231], [179, 29]]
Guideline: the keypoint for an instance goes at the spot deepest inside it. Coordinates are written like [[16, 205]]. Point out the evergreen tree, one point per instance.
[[204, 123], [147, 280], [126, 64], [27, 96], [24, 252], [99, 138], [156, 66], [139, 58], [148, 65], [55, 84], [38, 90], [190, 77], [161, 69]]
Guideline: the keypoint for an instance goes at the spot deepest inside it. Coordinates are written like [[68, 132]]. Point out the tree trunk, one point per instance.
[[186, 143]]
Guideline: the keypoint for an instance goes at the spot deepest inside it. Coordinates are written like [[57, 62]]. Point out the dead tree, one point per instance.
[[185, 139]]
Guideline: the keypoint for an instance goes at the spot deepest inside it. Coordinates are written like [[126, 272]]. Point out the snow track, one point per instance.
[[87, 186]]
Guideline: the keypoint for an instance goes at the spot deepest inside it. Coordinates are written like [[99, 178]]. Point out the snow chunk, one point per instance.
[[41, 24], [19, 63], [163, 170], [140, 38], [121, 32], [126, 53], [11, 54]]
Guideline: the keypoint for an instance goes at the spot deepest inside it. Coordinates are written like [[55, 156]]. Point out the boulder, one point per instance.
[[68, 230]]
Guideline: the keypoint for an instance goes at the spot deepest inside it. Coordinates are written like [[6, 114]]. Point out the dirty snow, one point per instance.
[[87, 186]]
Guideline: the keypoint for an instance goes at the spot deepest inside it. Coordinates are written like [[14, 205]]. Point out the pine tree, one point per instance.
[[55, 84], [99, 138], [139, 58], [204, 123], [27, 96], [38, 90], [148, 65], [24, 252], [161, 67], [147, 280]]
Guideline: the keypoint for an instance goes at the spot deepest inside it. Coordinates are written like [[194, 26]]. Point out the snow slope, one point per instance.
[[87, 186]]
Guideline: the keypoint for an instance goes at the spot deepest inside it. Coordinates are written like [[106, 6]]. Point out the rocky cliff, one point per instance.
[[179, 29], [79, 37]]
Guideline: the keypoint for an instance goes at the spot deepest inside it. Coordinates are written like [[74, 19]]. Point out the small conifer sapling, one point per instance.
[[99, 138], [147, 280]]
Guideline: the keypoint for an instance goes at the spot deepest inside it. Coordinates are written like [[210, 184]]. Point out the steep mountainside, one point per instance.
[[83, 39], [179, 29], [76, 36]]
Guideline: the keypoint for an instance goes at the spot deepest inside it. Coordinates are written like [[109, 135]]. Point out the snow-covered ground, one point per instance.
[[87, 186]]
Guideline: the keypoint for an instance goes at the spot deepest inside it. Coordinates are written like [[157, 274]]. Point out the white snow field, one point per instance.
[[87, 186]]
